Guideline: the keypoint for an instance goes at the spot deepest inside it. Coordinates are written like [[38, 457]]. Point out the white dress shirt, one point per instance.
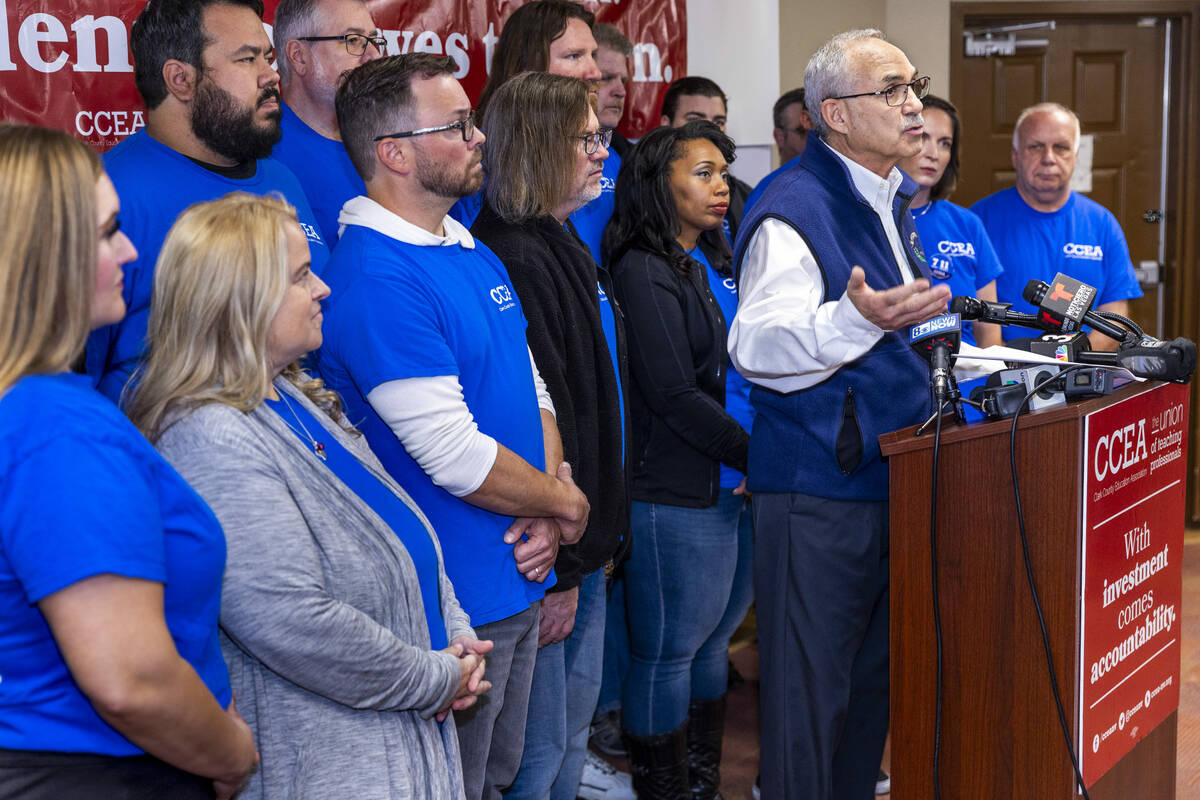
[[787, 335]]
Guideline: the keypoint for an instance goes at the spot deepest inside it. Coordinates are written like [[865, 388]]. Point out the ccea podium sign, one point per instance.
[[1134, 468]]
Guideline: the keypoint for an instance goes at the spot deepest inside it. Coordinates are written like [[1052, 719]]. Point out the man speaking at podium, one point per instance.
[[831, 276]]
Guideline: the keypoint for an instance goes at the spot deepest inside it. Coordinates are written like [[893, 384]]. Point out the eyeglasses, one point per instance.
[[592, 141], [897, 94], [467, 126], [356, 43]]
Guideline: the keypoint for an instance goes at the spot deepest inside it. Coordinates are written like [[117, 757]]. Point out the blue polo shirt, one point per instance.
[[323, 168], [83, 494], [155, 184], [399, 310], [958, 250], [737, 388], [1082, 239]]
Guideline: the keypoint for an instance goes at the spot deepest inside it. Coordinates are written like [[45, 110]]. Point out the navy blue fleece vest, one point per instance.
[[823, 440]]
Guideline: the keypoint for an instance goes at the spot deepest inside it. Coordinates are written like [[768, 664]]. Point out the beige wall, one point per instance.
[[920, 27]]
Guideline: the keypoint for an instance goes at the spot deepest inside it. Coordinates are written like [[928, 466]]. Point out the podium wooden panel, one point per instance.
[[1000, 732]]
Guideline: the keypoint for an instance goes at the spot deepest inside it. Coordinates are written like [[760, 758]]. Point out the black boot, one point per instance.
[[659, 764], [705, 729]]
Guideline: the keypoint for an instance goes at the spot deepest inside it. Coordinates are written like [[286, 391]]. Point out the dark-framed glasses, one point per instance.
[[592, 141], [896, 94], [467, 126], [356, 43]]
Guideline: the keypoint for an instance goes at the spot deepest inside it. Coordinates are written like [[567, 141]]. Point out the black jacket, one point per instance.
[[555, 278], [679, 361]]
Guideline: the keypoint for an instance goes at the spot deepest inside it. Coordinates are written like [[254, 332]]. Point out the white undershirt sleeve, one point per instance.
[[431, 419], [786, 336], [539, 386]]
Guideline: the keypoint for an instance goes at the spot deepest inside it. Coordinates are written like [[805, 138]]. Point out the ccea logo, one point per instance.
[[1120, 450], [730, 284], [953, 249], [501, 295], [109, 123], [311, 232], [1092, 252], [607, 184]]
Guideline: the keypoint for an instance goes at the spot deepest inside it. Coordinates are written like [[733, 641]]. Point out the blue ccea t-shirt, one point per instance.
[[155, 184], [591, 220], [608, 321], [323, 168], [84, 494], [958, 251], [737, 388], [399, 310], [1082, 239]]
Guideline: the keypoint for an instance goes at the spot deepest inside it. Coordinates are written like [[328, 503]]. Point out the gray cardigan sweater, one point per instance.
[[322, 624]]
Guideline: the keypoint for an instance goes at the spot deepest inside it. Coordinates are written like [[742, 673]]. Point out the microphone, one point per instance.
[[1059, 346], [970, 308], [1069, 305], [936, 340], [1151, 358]]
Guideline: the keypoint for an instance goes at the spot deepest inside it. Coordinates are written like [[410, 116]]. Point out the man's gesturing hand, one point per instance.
[[899, 306]]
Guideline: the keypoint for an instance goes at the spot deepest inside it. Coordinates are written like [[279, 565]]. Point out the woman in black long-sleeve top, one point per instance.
[[687, 580]]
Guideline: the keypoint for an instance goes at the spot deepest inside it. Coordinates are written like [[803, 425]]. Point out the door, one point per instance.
[[1112, 71]]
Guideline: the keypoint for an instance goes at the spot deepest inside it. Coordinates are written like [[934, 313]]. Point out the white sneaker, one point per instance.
[[603, 781]]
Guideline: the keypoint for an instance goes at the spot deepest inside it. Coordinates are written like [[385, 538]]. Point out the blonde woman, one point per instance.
[[111, 678], [345, 642]]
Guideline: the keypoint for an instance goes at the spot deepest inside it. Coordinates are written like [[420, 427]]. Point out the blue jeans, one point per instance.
[[616, 647], [687, 588], [566, 683]]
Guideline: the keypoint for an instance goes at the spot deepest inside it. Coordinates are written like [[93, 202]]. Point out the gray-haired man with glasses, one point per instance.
[[317, 41], [831, 274]]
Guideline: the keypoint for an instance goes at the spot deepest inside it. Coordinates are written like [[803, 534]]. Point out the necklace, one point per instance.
[[318, 447], [923, 210]]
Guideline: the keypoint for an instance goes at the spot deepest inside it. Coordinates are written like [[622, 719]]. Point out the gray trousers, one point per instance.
[[821, 587], [491, 733]]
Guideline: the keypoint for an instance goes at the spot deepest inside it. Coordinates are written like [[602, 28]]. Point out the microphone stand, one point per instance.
[[953, 398]]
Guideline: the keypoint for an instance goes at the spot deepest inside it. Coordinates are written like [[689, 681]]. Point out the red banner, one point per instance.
[[66, 63], [1134, 469]]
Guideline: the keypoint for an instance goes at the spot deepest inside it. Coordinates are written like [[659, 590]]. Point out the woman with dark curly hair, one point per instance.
[[687, 579]]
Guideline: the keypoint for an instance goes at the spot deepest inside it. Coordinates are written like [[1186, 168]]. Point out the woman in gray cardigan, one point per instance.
[[345, 643]]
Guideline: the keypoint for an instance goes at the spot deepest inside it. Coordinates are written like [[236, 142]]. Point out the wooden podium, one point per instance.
[[1000, 735]]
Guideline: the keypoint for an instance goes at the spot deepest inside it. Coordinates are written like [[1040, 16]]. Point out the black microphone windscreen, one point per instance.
[[968, 307], [1035, 290]]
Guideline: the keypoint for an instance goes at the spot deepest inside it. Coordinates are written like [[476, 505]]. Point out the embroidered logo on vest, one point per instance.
[[914, 244]]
